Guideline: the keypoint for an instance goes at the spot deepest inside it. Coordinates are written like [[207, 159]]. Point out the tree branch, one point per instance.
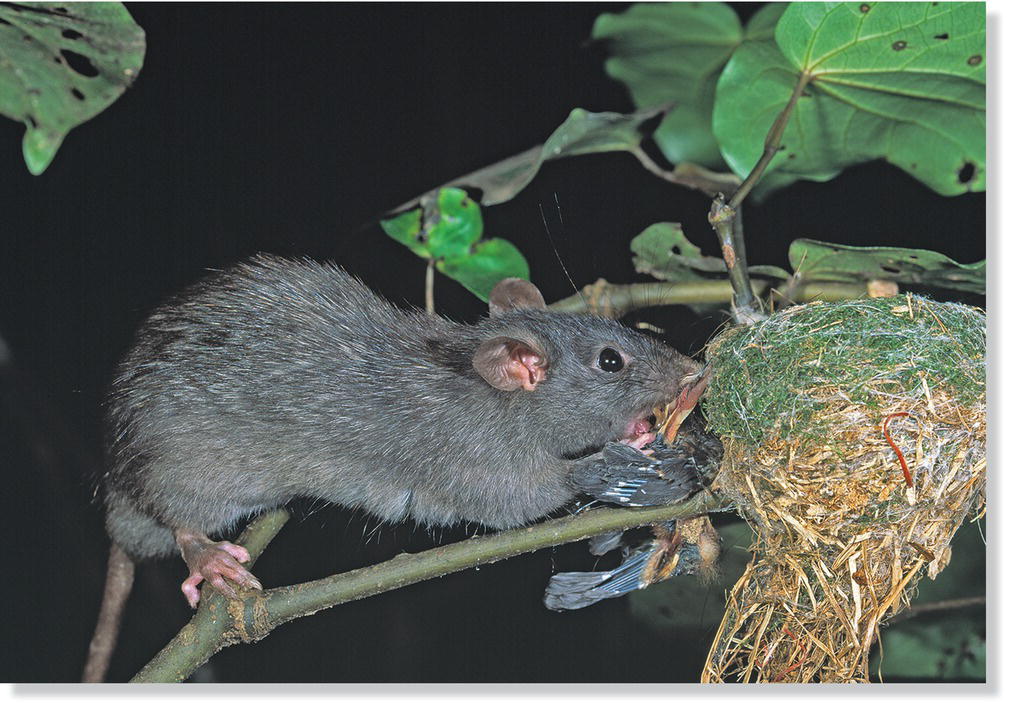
[[219, 622], [618, 300], [726, 218], [958, 603]]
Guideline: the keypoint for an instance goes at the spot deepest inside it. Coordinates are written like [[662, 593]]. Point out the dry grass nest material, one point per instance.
[[809, 405]]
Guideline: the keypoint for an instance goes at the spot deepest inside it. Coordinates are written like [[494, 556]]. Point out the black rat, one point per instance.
[[279, 378]]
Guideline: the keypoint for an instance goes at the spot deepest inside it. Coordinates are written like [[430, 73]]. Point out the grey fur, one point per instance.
[[283, 378]]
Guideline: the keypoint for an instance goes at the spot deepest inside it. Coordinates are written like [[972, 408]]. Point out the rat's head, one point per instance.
[[583, 379]]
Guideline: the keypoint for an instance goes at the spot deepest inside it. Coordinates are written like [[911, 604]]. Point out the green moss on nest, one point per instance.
[[772, 377]]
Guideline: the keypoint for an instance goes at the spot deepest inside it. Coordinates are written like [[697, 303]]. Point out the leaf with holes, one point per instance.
[[406, 229], [900, 81], [454, 225], [61, 64], [663, 251], [675, 52], [581, 133], [447, 228], [446, 225], [815, 260]]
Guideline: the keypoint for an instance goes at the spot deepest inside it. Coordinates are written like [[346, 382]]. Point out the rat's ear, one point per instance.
[[508, 364], [514, 294]]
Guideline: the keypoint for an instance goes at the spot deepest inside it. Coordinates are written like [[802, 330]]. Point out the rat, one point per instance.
[[281, 378]]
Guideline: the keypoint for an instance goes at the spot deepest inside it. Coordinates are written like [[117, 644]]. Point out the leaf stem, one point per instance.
[[430, 299], [690, 175], [771, 144]]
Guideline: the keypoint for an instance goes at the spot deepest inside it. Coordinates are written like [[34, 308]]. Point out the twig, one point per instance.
[[726, 219], [941, 606], [771, 144], [690, 175], [220, 623], [430, 300], [621, 299], [212, 627]]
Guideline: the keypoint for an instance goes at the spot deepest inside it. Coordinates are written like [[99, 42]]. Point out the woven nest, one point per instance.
[[854, 439]]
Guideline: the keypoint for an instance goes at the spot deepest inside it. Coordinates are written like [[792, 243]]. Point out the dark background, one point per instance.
[[289, 129]]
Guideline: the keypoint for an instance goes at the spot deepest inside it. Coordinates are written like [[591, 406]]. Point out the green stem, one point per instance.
[[219, 623], [726, 218], [621, 299], [771, 144], [211, 628]]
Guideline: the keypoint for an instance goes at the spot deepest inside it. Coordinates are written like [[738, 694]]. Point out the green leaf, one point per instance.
[[673, 52], [769, 271], [582, 133], [447, 229], [488, 263], [61, 64], [446, 226], [406, 229], [663, 251], [816, 260], [761, 26], [454, 226], [900, 81]]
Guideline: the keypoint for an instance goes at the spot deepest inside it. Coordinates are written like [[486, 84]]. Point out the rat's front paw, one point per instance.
[[218, 563]]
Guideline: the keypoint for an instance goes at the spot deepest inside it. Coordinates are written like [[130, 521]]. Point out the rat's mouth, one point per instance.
[[638, 432]]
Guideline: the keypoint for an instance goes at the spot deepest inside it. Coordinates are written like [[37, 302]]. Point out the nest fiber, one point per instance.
[[854, 439]]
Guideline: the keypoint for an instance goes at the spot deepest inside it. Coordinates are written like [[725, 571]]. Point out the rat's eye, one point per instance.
[[610, 360]]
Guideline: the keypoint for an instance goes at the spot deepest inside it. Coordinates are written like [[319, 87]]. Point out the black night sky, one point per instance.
[[289, 129]]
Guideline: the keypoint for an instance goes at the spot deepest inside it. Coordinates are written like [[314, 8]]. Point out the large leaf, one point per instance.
[[815, 260], [61, 64], [673, 52], [581, 133], [900, 81], [487, 263], [447, 229]]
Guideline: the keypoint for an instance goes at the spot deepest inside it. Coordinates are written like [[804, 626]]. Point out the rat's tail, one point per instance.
[[119, 579]]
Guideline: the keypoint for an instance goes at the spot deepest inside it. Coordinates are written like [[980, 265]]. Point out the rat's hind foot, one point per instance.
[[215, 562]]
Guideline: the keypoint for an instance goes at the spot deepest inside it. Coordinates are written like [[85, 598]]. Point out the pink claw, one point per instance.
[[238, 552], [190, 590], [218, 563]]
